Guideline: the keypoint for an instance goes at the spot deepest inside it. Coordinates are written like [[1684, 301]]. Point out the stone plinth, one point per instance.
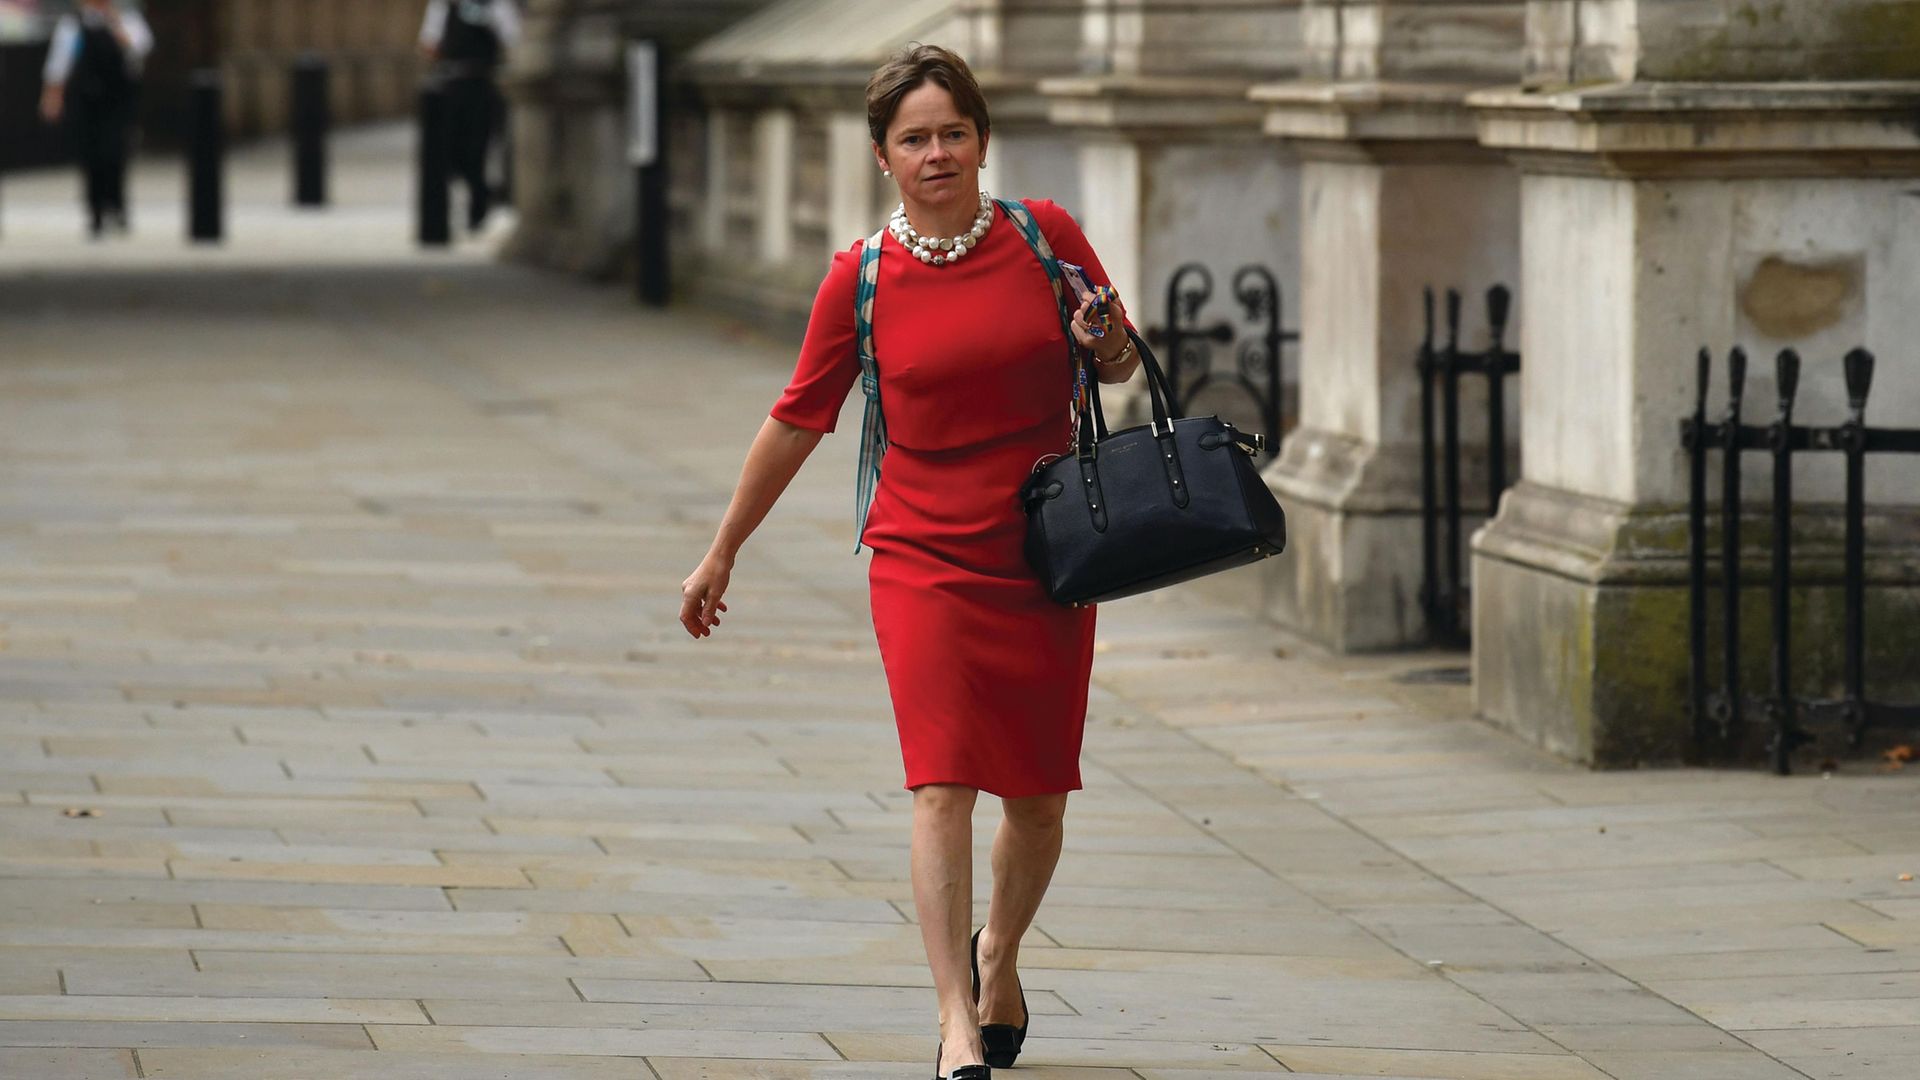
[[1396, 197], [1658, 219]]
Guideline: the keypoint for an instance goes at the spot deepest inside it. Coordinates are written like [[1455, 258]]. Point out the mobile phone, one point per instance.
[[1101, 318]]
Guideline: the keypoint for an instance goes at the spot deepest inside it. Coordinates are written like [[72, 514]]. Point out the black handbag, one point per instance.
[[1132, 511]]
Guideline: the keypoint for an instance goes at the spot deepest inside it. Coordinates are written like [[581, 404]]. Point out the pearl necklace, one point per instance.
[[942, 249]]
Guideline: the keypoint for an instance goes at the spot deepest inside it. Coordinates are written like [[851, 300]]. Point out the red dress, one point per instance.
[[988, 674]]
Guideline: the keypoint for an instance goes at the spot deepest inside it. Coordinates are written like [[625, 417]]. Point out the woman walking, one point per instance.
[[92, 81], [959, 341]]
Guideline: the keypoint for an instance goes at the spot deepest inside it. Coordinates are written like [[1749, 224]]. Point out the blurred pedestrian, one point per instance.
[[92, 82], [467, 40], [947, 316]]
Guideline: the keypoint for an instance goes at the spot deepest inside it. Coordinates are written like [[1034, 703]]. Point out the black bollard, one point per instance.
[[435, 168], [311, 119], [206, 148], [647, 153]]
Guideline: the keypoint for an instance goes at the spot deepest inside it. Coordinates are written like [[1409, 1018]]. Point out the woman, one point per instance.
[[988, 675], [92, 80]]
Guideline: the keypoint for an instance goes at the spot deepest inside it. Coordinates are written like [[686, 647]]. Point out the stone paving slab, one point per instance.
[[337, 585]]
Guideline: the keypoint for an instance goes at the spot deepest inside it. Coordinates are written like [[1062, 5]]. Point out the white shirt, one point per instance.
[[501, 14], [66, 42]]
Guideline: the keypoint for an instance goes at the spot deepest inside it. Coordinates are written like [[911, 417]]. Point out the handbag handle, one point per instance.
[[1092, 427]]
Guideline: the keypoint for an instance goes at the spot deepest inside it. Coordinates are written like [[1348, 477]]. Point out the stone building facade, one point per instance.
[[369, 44], [1693, 175], [1648, 176]]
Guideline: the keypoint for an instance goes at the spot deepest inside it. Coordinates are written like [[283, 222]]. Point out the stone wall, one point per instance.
[[370, 46], [1582, 41], [1744, 177], [1424, 40]]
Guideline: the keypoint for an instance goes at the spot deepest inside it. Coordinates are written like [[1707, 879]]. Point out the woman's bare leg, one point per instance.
[[1025, 850], [943, 897]]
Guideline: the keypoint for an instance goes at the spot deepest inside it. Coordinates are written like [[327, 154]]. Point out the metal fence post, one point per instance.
[[1780, 442], [1429, 484], [1731, 714], [1499, 304], [1696, 436], [1452, 587], [206, 199], [1859, 374], [311, 120]]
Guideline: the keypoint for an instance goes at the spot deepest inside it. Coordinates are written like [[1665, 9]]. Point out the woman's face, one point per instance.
[[934, 150]]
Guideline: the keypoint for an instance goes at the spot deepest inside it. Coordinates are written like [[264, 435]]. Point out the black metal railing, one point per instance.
[[1443, 586], [1720, 713], [1188, 345]]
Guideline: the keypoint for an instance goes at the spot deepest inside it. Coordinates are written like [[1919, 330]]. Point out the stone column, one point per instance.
[[566, 83], [719, 183], [773, 185], [1171, 165], [1396, 196], [853, 179], [1719, 189]]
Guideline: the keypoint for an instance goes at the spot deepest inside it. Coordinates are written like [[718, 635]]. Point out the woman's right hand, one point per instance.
[[700, 603], [53, 102]]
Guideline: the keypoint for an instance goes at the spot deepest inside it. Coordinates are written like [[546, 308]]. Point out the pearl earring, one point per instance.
[[887, 173]]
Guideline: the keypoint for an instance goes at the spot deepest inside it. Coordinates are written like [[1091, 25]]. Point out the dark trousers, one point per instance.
[[473, 113], [102, 130]]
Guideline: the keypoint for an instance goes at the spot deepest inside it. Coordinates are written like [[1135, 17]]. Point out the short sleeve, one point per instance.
[[1068, 242], [829, 362]]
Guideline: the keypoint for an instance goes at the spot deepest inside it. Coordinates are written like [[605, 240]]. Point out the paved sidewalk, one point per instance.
[[346, 732]]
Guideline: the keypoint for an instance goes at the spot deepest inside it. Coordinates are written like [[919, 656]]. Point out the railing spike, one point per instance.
[[1737, 373], [1859, 368], [1499, 306], [1703, 374], [1786, 376]]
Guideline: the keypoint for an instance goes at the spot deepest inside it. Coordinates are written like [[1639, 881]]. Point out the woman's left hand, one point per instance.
[[1105, 349], [1114, 350]]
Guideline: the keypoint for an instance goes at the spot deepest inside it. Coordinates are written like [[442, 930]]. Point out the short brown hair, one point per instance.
[[912, 66]]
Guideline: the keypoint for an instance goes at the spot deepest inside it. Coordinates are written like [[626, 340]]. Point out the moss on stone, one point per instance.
[[1863, 39]]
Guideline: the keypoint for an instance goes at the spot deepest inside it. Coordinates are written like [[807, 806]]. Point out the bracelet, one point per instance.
[[1125, 355]]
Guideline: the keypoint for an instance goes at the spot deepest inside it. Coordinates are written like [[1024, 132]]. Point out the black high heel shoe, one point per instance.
[[1003, 1041], [960, 1072]]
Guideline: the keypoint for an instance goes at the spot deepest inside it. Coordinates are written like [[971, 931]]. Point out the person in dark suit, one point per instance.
[[467, 40], [92, 81]]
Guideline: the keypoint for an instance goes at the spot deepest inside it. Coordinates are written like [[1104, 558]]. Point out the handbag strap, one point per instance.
[[873, 422], [1089, 423], [1084, 410]]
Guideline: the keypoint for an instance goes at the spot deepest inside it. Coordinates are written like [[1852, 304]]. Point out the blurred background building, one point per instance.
[[370, 46]]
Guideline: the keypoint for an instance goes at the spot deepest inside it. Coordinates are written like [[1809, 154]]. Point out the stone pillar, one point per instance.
[[1396, 196], [853, 180], [773, 185], [1660, 217], [573, 185], [719, 183], [1112, 212], [1172, 168]]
